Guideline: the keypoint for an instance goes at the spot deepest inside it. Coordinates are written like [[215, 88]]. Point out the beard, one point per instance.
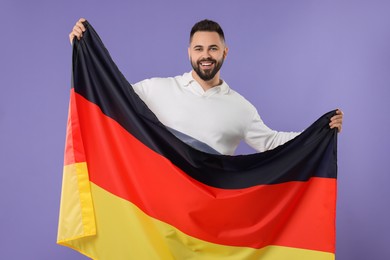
[[207, 74]]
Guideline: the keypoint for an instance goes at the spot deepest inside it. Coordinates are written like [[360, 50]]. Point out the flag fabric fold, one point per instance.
[[132, 190]]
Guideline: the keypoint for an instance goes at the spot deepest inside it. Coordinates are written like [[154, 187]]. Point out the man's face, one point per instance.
[[207, 52]]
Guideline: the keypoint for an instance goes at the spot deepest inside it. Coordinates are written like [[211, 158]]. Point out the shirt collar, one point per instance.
[[188, 80]]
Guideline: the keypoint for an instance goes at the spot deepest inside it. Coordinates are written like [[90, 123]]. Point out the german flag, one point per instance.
[[132, 190]]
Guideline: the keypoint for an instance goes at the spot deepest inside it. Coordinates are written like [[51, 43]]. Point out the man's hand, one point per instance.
[[337, 120], [78, 30]]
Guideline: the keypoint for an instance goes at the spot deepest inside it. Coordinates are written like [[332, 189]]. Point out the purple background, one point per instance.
[[294, 60]]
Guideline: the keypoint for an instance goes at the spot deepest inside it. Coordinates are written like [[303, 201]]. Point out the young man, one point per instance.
[[200, 107]]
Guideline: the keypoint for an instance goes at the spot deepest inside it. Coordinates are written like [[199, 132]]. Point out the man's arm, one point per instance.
[[262, 138]]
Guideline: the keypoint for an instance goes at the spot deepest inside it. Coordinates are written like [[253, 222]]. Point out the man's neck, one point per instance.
[[206, 85]]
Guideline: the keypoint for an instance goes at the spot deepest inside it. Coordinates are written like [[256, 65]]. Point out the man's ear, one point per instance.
[[189, 56], [225, 52]]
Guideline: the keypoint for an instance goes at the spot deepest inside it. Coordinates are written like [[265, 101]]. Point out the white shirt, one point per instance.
[[218, 117]]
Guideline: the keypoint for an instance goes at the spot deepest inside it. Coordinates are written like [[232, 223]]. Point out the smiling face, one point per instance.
[[207, 53]]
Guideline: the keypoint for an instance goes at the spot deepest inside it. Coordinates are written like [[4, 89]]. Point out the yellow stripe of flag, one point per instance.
[[125, 232], [77, 218]]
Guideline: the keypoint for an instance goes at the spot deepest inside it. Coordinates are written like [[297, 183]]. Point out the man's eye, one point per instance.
[[214, 49]]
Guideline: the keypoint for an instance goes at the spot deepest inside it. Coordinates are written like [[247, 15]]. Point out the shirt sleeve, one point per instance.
[[141, 88], [262, 138]]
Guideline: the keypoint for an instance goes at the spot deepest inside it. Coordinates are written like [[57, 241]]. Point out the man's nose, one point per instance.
[[206, 54]]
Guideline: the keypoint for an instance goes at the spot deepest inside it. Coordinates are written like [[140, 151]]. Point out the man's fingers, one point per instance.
[[74, 34], [337, 120], [80, 26], [71, 37], [77, 31], [337, 125]]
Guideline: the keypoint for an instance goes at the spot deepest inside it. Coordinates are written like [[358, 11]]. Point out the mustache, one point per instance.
[[207, 59]]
